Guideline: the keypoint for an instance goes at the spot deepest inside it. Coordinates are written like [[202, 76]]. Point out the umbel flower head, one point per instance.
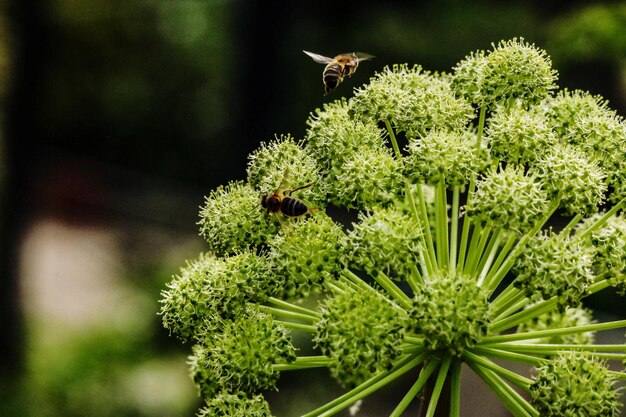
[[451, 259]]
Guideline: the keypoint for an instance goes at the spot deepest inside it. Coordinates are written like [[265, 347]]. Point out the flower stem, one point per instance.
[[416, 388], [595, 327], [441, 204], [455, 389], [292, 307], [519, 380], [393, 290], [297, 326], [303, 362], [441, 378], [530, 313], [486, 261], [514, 402], [288, 314], [495, 276], [454, 229], [426, 226], [507, 355], [466, 226], [366, 388], [601, 221]]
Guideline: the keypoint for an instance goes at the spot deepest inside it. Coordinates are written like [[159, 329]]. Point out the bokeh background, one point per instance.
[[119, 116]]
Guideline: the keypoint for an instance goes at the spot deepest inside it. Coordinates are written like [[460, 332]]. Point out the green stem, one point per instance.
[[416, 388], [518, 380], [297, 326], [530, 313], [393, 290], [288, 314], [537, 334], [454, 229], [298, 309], [513, 401], [572, 223], [393, 140], [455, 389], [494, 278], [480, 252], [507, 355], [441, 378], [481, 126], [601, 221], [426, 225], [553, 349], [486, 261], [442, 223], [516, 304], [415, 279], [366, 388], [354, 280], [466, 225], [504, 299], [303, 362], [471, 251], [506, 249]]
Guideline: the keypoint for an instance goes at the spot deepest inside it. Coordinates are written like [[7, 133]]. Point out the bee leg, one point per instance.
[[302, 187]]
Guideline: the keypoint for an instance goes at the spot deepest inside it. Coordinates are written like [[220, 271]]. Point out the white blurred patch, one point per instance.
[[356, 407]]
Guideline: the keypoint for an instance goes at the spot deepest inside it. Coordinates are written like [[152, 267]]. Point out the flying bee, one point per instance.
[[337, 68], [281, 201]]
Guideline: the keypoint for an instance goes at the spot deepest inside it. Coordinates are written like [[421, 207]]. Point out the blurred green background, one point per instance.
[[118, 116]]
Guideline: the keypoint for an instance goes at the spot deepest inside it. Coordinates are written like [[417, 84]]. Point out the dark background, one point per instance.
[[119, 116]]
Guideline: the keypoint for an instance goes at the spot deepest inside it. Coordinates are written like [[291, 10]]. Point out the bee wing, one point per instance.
[[320, 59], [362, 56]]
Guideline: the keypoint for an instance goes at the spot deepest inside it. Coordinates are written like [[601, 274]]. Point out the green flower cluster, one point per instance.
[[450, 258], [575, 384], [451, 313], [361, 332]]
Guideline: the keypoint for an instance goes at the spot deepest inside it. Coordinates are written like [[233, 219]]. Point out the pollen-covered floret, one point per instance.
[[233, 220], [306, 253], [211, 288], [452, 155], [451, 313], [554, 265], [575, 384], [571, 176], [509, 200], [387, 240], [361, 332], [239, 356], [412, 100], [226, 404], [284, 163], [519, 135]]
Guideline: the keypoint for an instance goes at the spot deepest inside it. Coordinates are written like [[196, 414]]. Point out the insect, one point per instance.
[[281, 200], [337, 68]]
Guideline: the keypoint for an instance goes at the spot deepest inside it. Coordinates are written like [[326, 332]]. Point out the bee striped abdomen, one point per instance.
[[332, 76], [293, 207]]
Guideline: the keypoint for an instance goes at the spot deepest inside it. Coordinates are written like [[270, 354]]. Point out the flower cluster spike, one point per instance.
[[452, 257]]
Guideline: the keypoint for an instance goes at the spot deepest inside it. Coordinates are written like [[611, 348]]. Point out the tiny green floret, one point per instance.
[[306, 253], [361, 332], [510, 199], [452, 313], [519, 135], [233, 220], [554, 265], [239, 357], [575, 384], [236, 405], [412, 100], [569, 175], [452, 155], [211, 288], [387, 240]]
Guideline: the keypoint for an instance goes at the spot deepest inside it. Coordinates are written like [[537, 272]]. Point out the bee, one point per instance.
[[281, 201], [337, 68]]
